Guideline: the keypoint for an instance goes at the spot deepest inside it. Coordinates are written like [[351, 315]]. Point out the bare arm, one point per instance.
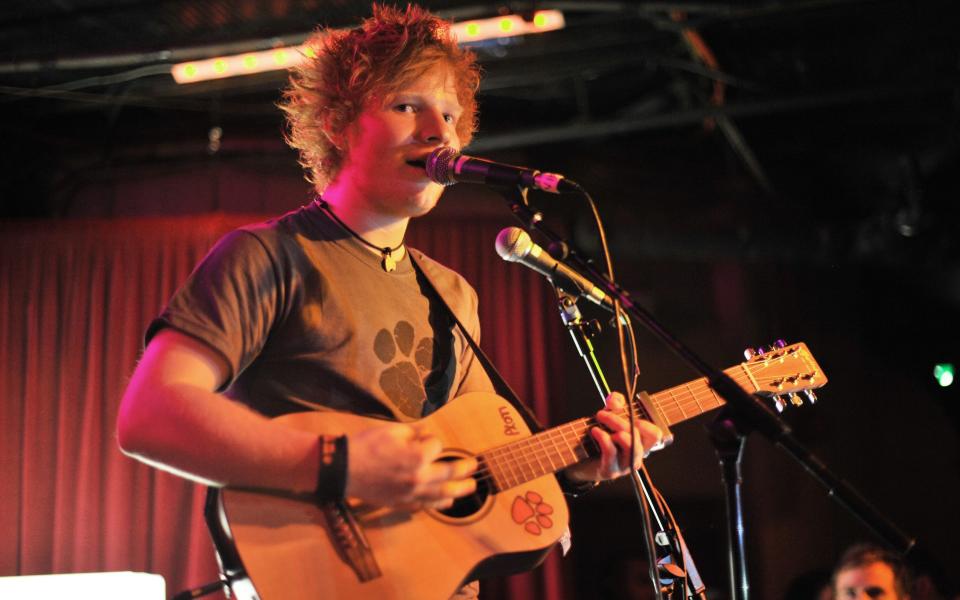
[[172, 418]]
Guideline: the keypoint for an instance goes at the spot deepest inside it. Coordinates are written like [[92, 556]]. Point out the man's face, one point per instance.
[[874, 581], [387, 145]]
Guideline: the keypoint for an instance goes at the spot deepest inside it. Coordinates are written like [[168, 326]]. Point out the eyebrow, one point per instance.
[[455, 108]]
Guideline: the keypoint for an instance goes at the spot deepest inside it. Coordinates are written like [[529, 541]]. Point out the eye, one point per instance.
[[450, 119], [404, 107]]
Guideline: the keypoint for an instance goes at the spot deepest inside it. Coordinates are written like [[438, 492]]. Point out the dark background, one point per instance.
[[804, 187]]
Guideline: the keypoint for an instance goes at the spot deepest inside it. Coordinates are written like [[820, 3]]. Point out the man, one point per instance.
[[307, 311], [868, 572]]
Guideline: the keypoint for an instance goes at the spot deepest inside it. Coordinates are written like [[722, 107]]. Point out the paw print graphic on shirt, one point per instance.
[[532, 512], [402, 380]]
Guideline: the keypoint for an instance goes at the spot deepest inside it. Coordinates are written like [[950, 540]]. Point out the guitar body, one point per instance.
[[289, 551]]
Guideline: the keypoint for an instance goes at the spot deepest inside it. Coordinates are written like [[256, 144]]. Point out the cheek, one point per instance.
[[365, 147], [366, 132], [384, 135], [455, 142], [460, 135]]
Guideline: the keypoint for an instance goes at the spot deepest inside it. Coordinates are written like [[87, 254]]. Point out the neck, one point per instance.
[[378, 228]]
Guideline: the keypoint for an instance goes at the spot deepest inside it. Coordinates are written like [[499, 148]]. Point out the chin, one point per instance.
[[425, 201], [421, 208]]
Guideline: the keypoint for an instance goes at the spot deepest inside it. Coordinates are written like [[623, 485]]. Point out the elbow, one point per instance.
[[127, 438], [132, 427]]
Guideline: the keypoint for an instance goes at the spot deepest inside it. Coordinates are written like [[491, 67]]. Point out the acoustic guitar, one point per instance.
[[282, 547]]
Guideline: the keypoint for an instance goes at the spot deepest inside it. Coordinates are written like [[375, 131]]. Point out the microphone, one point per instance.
[[514, 245], [446, 166]]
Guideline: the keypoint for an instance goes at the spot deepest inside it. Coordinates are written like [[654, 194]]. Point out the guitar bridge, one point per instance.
[[349, 540]]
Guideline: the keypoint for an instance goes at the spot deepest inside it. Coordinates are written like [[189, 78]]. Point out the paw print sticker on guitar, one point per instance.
[[402, 379], [532, 512]]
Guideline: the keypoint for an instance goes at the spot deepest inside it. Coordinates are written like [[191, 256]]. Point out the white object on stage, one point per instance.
[[122, 585]]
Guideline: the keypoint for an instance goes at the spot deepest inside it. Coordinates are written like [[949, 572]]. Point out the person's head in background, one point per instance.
[[867, 572]]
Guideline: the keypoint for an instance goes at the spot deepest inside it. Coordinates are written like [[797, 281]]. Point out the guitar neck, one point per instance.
[[538, 455], [782, 370], [691, 399], [560, 447]]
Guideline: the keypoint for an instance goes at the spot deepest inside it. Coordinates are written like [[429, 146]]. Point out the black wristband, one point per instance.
[[332, 472]]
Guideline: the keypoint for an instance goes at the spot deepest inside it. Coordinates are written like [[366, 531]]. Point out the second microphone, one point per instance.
[[514, 245]]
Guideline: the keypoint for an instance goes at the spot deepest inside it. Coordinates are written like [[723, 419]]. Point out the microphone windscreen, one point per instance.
[[439, 165], [513, 244]]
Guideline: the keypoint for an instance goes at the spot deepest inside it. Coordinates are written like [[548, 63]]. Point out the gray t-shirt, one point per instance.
[[306, 318]]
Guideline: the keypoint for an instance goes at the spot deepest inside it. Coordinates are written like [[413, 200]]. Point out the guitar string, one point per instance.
[[521, 455], [563, 432], [525, 459], [661, 401], [542, 453]]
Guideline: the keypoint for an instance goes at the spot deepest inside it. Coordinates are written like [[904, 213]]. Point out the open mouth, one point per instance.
[[419, 164]]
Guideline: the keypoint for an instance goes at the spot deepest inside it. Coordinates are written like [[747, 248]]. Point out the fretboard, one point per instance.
[[688, 400], [558, 448], [535, 456]]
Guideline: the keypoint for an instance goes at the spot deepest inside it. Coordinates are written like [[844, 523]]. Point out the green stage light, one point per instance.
[[943, 373]]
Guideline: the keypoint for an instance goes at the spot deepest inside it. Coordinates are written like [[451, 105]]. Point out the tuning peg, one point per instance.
[[779, 403], [795, 399], [779, 344], [749, 353], [810, 396]]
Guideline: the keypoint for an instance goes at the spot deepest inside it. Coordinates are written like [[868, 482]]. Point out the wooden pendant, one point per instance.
[[389, 265]]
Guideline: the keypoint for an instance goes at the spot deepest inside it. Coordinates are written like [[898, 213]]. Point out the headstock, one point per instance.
[[784, 372]]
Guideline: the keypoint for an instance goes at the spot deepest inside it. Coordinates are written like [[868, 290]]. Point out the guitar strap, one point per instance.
[[499, 384]]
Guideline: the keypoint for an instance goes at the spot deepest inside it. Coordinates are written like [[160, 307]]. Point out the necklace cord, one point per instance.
[[326, 207], [385, 252]]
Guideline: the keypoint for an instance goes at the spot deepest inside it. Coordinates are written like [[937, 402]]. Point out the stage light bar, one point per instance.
[[508, 26], [285, 57], [247, 63]]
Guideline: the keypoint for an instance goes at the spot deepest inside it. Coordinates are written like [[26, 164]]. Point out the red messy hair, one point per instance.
[[387, 51]]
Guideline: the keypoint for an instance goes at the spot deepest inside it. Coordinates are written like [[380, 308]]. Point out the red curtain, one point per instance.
[[75, 297]]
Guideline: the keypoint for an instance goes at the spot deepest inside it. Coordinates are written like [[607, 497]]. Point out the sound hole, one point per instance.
[[468, 505]]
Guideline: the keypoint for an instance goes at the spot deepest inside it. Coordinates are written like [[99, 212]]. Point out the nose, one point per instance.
[[433, 128]]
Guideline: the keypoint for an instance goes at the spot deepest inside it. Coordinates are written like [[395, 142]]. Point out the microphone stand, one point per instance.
[[746, 413], [665, 571], [729, 443]]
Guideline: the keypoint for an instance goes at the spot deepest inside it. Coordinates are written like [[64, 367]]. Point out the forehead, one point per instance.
[[436, 81], [877, 574]]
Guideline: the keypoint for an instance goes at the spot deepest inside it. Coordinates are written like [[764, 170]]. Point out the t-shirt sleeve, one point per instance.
[[230, 301]]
